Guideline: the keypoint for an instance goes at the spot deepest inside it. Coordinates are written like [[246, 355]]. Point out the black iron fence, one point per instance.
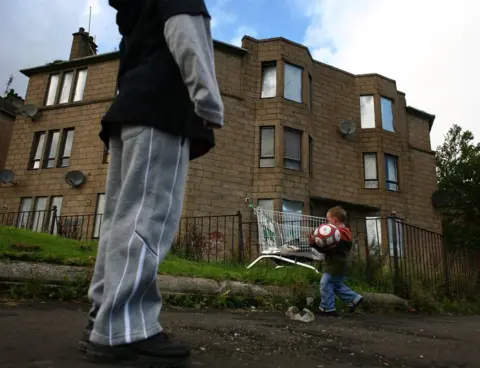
[[389, 254]]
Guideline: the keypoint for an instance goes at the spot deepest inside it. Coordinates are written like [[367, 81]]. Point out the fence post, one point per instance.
[[240, 236], [54, 219], [446, 269], [396, 268]]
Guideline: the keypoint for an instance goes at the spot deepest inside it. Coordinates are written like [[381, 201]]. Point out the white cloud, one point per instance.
[[240, 32], [220, 15], [430, 47]]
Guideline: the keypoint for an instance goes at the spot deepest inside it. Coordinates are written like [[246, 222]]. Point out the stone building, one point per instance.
[[281, 146]]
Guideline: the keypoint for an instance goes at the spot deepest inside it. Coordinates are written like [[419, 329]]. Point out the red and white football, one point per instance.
[[327, 236]]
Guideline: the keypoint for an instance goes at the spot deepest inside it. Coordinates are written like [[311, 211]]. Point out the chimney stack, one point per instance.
[[82, 45]]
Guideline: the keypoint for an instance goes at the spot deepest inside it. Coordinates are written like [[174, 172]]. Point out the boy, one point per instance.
[[168, 102], [335, 268]]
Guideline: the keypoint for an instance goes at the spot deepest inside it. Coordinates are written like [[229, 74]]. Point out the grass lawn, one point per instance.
[[23, 245]]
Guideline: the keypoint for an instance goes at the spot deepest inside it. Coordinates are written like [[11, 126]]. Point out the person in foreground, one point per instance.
[[336, 268], [167, 106]]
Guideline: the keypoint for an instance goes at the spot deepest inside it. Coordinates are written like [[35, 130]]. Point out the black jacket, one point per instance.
[[151, 89]]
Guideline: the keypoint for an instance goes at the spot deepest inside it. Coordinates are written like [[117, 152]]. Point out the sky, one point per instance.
[[430, 47]]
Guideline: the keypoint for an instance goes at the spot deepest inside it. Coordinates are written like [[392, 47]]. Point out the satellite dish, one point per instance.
[[440, 198], [347, 128], [6, 177], [75, 178], [28, 110]]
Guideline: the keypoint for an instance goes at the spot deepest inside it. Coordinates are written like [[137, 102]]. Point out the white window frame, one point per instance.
[[269, 80], [24, 212], [367, 112], [370, 180], [66, 87]]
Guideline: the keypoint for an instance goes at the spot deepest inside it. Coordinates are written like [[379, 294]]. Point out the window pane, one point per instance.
[[292, 207], [23, 215], [398, 244], [291, 164], [56, 201], [266, 204], [367, 112], [80, 87], [267, 142], [52, 151], [39, 214], [66, 87], [99, 215], [269, 81], [292, 144], [370, 170], [52, 89], [391, 172], [310, 91], [67, 148], [293, 82], [387, 114], [374, 234], [39, 142], [291, 220]]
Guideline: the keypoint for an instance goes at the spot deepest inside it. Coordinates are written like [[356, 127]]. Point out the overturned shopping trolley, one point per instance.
[[284, 236]]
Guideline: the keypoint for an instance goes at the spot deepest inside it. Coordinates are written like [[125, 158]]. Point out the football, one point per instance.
[[326, 236]]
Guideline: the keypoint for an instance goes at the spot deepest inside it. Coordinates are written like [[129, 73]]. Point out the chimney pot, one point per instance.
[[81, 30]]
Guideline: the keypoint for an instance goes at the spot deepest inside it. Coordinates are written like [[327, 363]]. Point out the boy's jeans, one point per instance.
[[331, 285]]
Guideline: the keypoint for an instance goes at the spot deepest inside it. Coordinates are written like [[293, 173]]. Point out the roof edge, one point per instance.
[[109, 56], [422, 115]]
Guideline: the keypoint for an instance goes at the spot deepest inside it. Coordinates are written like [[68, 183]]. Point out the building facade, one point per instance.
[[8, 111], [281, 147]]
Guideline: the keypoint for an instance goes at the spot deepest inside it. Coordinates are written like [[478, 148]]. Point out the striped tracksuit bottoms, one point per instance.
[[143, 204]]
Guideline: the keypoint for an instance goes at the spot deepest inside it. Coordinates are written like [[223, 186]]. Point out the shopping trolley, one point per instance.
[[284, 235]]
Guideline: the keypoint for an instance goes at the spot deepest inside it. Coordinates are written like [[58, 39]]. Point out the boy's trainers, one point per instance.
[[154, 352], [354, 306], [322, 313]]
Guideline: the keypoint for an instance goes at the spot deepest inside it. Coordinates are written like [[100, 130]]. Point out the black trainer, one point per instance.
[[158, 351], [322, 313], [354, 306], [85, 340]]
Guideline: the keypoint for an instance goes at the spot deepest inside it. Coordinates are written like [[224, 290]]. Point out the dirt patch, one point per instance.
[[45, 335]]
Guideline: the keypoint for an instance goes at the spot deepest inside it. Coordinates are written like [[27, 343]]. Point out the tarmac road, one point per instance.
[[45, 335]]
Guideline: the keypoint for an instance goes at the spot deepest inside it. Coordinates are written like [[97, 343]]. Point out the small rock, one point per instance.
[[203, 349]]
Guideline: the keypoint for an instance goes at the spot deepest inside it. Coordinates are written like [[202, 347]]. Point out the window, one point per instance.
[[45, 149], [391, 172], [99, 211], [39, 209], [292, 149], [398, 235], [310, 91], [266, 204], [55, 202], [310, 155], [51, 150], [387, 114], [66, 87], [267, 147], [66, 150], [52, 89], [374, 234], [37, 150], [269, 80], [293, 83], [106, 156], [370, 170], [292, 219], [24, 213], [80, 85], [367, 112]]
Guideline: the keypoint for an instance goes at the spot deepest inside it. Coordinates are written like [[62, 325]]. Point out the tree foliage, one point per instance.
[[458, 173]]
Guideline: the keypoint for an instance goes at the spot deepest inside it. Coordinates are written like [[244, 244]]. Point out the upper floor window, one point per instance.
[[269, 80], [292, 149], [310, 91], [387, 114], [51, 148], [66, 87], [367, 112], [370, 170], [293, 83], [267, 147], [391, 172]]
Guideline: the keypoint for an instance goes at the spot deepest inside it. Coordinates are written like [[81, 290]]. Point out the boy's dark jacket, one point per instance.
[[336, 260], [151, 88]]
